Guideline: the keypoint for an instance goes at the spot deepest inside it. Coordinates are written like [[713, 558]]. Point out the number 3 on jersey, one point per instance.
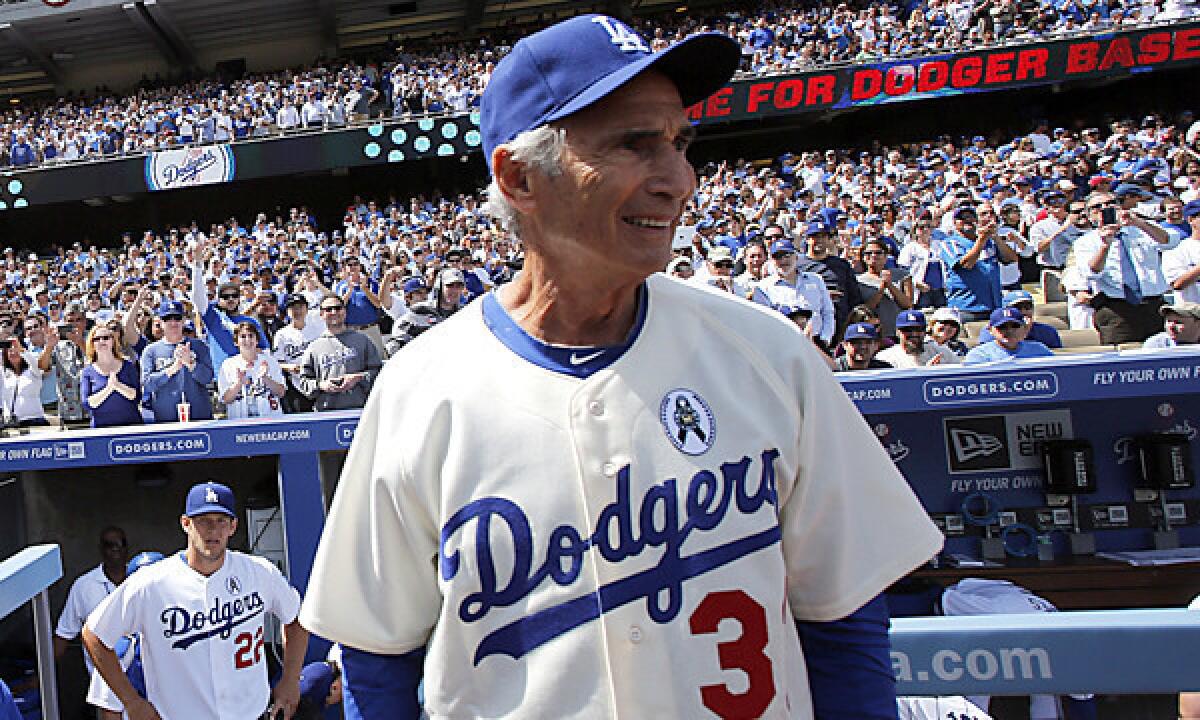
[[249, 649], [745, 654]]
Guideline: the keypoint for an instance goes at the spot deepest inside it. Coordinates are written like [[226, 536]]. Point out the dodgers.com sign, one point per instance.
[[160, 447], [189, 167], [990, 389]]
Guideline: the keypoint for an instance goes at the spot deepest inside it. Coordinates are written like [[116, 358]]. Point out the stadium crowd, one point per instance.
[[449, 76], [921, 255]]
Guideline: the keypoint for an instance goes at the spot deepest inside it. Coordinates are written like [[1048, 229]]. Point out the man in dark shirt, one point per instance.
[[861, 343], [839, 276]]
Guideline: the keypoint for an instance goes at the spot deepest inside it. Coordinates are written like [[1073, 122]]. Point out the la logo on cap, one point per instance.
[[210, 496], [620, 34]]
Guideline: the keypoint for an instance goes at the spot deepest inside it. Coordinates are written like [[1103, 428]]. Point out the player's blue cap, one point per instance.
[[170, 307], [1014, 297], [1005, 316], [315, 680], [141, 560], [1191, 210], [782, 247], [569, 66], [861, 331], [910, 319], [209, 497], [414, 284]]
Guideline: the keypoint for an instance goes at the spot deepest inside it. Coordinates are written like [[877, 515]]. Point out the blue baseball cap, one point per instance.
[[816, 228], [1014, 297], [861, 331], [171, 307], [315, 680], [782, 246], [1125, 190], [1192, 209], [1004, 316], [414, 284], [141, 560], [569, 66], [910, 319], [209, 497], [295, 298]]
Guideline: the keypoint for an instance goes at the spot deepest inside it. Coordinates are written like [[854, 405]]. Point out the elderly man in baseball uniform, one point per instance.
[[200, 614], [560, 502]]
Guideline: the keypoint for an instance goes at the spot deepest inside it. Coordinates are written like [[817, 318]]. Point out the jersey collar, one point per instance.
[[579, 362]]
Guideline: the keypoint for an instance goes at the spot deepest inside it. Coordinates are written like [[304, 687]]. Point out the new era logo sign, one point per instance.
[[969, 445], [977, 443]]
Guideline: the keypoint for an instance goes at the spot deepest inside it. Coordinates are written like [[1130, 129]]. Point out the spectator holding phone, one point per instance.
[[1120, 260], [66, 358], [110, 381], [20, 391], [338, 368]]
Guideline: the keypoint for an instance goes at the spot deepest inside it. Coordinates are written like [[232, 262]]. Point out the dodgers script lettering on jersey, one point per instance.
[[620, 533], [190, 627]]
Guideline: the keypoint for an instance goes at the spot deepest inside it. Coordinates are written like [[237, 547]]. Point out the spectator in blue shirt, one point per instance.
[[361, 296], [176, 369], [972, 260], [110, 381], [1008, 328], [1041, 332]]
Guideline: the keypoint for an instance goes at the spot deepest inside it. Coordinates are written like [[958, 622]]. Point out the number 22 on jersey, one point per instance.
[[249, 649]]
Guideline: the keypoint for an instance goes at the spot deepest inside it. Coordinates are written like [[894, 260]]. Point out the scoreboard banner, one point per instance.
[[1064, 60], [997, 68]]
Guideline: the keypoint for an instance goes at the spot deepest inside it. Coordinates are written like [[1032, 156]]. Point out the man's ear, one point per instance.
[[513, 178]]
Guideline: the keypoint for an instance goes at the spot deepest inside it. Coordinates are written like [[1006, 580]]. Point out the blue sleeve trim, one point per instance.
[[849, 664], [379, 687]]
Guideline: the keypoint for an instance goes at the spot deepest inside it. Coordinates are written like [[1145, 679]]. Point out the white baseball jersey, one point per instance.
[[202, 637], [576, 546], [954, 707], [255, 399], [86, 593]]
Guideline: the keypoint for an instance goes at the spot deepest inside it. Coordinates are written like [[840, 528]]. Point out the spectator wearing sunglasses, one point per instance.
[[110, 381], [338, 368], [176, 369], [219, 319]]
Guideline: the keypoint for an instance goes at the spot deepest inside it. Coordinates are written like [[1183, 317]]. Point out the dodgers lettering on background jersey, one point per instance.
[[202, 637]]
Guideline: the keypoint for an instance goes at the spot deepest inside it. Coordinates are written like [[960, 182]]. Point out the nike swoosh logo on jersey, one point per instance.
[[577, 360]]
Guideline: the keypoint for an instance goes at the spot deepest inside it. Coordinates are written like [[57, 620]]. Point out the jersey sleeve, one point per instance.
[[70, 622], [851, 524], [117, 615], [373, 585], [284, 601]]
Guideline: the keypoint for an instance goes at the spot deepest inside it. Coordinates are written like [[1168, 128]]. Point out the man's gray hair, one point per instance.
[[540, 148]]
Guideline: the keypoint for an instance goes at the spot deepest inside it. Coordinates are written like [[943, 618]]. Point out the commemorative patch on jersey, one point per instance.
[[688, 422]]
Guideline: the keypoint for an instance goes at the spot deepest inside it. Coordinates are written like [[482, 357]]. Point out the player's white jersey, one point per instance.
[[202, 637], [633, 544]]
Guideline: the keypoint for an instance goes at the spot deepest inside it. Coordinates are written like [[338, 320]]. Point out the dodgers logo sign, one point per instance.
[[189, 167]]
